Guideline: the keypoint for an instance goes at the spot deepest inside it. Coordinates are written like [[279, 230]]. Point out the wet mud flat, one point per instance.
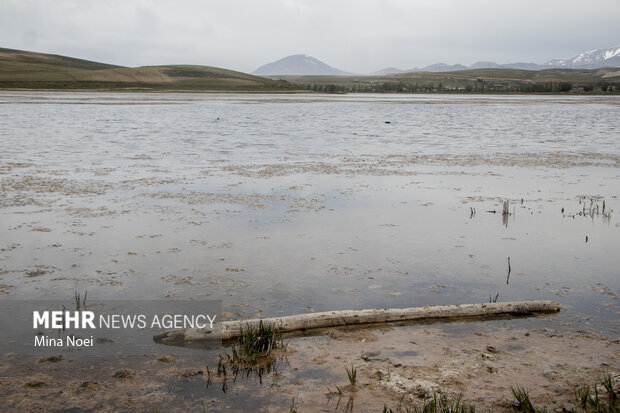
[[397, 366], [242, 200]]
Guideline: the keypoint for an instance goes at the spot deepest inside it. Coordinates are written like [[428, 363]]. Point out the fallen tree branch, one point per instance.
[[301, 322]]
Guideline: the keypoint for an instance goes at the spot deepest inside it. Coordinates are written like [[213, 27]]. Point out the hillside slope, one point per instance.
[[30, 70]]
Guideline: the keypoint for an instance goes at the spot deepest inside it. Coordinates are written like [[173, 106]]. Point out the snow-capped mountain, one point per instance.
[[298, 64], [594, 59], [608, 57]]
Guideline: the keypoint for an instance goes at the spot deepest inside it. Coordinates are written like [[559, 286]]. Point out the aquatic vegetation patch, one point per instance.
[[255, 345]]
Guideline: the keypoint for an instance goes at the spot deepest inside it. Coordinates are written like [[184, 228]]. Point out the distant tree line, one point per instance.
[[478, 86], [546, 87]]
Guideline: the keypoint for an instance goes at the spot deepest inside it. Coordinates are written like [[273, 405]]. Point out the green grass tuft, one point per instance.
[[589, 399], [439, 403], [442, 404], [352, 375], [254, 343], [582, 395], [522, 398]]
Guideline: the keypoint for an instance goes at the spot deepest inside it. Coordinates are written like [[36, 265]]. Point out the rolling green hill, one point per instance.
[[29, 70]]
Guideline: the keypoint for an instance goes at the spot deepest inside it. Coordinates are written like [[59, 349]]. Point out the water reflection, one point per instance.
[[227, 372]]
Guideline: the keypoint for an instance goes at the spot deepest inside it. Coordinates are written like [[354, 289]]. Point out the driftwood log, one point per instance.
[[231, 329]]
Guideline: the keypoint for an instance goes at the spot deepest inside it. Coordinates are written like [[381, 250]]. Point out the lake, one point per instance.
[[286, 204]]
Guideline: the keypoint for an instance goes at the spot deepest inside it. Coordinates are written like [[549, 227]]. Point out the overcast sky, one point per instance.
[[353, 35]]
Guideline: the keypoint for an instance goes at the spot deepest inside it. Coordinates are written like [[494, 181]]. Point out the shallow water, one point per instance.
[[286, 204]]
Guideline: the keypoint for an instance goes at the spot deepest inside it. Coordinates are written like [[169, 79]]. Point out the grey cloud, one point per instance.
[[357, 36]]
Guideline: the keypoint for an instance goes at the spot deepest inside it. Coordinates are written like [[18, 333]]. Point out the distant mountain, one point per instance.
[[594, 59], [388, 71], [442, 67], [517, 65], [484, 65], [298, 64], [522, 66]]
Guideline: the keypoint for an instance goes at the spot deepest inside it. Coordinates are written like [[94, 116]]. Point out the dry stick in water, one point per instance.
[[302, 322], [508, 277]]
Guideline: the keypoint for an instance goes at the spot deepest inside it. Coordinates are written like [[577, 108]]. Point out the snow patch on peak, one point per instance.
[[611, 53], [590, 59]]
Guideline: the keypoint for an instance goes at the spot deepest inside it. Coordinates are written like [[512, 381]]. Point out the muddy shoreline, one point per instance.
[[397, 366]]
